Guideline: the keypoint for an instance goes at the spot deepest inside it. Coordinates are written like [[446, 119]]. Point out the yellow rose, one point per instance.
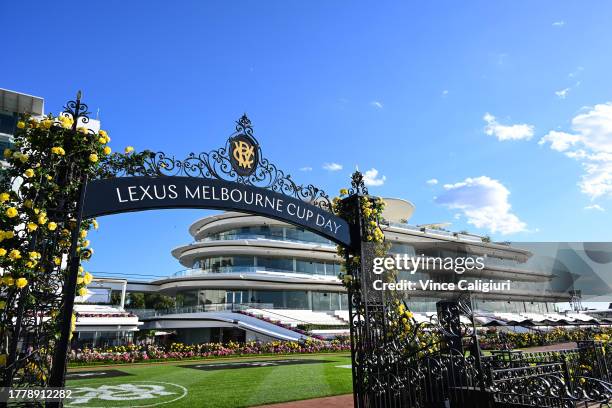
[[57, 261], [83, 233], [46, 123], [93, 157], [23, 158], [79, 280], [51, 226], [28, 173], [42, 219], [103, 133], [32, 226], [85, 243], [4, 197], [34, 255], [58, 150], [9, 234], [21, 282], [87, 278], [82, 291], [129, 150], [66, 121], [7, 153], [15, 254], [82, 129], [107, 150], [11, 212], [2, 251], [95, 224], [8, 280], [21, 124]]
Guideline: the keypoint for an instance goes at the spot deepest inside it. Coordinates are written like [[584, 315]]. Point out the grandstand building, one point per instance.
[[247, 277]]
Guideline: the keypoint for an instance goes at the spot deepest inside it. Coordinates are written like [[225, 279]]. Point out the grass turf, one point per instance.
[[222, 388]]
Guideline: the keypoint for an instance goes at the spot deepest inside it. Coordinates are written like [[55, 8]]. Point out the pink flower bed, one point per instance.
[[179, 351]]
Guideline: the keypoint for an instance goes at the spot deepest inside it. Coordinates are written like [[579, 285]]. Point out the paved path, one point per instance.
[[553, 347], [340, 401]]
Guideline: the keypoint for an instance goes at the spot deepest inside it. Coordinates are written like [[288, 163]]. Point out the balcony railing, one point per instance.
[[231, 237], [243, 269], [213, 307]]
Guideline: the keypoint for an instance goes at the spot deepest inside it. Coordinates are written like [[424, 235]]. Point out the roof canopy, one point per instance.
[[12, 101]]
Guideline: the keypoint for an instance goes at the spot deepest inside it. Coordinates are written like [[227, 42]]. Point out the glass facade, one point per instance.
[[276, 233], [102, 339], [266, 299], [241, 264], [8, 123], [512, 306]]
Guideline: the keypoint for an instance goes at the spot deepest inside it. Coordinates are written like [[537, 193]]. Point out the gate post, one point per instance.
[[62, 347], [358, 321], [372, 374]]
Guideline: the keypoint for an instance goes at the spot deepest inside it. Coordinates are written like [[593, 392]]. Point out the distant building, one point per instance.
[[101, 320], [13, 104]]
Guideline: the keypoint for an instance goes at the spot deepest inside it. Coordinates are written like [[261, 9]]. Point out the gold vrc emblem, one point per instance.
[[244, 155]]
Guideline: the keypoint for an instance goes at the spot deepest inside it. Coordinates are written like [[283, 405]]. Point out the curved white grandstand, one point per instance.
[[247, 277]]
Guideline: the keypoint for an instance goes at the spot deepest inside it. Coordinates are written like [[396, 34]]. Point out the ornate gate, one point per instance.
[[399, 361]]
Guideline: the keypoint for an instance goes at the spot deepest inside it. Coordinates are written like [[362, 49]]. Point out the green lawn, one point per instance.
[[160, 384]]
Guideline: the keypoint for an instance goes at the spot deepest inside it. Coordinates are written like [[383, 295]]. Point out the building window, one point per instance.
[[275, 264], [269, 232]]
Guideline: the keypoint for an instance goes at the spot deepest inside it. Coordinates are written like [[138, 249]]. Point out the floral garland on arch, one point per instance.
[[359, 208], [39, 191]]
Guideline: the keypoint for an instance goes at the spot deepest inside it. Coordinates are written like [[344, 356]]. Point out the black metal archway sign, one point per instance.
[[126, 194], [235, 177]]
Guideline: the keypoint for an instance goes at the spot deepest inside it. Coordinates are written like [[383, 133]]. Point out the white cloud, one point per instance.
[[520, 131], [484, 202], [560, 23], [562, 93], [590, 143], [377, 104], [432, 181], [332, 166], [559, 141], [595, 207], [370, 178], [306, 168]]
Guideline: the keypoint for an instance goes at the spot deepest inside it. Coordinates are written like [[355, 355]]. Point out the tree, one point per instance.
[[136, 300], [158, 301]]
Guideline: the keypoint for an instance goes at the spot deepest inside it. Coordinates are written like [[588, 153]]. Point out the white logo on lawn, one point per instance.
[[85, 374], [127, 392]]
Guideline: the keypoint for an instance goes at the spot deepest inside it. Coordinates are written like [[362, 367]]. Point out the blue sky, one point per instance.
[[466, 95]]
